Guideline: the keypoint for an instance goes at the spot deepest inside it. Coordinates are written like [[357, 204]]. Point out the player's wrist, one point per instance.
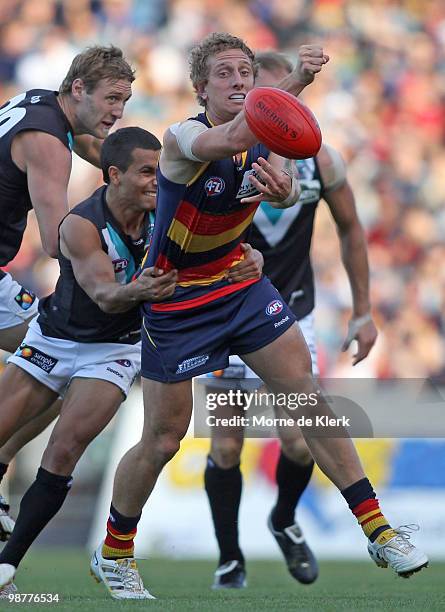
[[293, 196], [361, 319]]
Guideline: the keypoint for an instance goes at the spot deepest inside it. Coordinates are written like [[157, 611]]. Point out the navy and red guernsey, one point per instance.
[[200, 226]]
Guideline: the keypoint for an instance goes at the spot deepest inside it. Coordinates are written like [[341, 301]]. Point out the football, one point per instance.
[[281, 122]]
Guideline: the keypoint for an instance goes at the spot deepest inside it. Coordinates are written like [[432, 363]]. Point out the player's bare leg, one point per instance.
[[285, 367], [167, 412], [8, 451], [11, 337], [88, 407], [29, 399]]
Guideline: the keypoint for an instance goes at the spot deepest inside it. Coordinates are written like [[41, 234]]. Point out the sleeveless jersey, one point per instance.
[[284, 237], [69, 312], [37, 109], [199, 226]]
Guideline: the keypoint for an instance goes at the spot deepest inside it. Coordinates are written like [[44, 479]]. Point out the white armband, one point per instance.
[[186, 133], [292, 198]]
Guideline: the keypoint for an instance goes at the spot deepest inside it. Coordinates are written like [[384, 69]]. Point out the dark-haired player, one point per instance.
[[38, 131], [85, 343]]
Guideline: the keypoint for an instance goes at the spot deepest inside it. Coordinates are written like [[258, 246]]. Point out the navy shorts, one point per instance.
[[179, 345]]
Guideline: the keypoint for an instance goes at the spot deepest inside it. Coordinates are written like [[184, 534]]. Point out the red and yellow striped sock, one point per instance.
[[118, 545], [371, 519]]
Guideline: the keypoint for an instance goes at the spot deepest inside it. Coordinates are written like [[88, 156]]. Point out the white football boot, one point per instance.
[[7, 573], [398, 552], [120, 576]]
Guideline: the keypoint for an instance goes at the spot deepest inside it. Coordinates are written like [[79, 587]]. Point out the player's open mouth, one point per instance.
[[151, 194], [107, 124], [239, 97]]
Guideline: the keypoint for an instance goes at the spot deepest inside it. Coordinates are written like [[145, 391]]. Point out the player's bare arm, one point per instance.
[[341, 202], [47, 163], [80, 243], [88, 148]]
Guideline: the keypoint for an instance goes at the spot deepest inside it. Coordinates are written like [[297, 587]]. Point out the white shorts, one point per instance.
[[55, 362], [238, 369], [17, 304]]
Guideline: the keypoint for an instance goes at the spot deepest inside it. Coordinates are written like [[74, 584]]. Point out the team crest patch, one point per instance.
[[25, 299], [38, 358], [274, 308], [120, 264], [191, 363], [214, 186]]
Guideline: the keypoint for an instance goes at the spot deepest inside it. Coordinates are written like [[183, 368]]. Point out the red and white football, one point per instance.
[[281, 122]]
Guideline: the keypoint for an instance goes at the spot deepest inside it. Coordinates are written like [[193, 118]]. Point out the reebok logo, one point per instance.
[[115, 372], [281, 321]]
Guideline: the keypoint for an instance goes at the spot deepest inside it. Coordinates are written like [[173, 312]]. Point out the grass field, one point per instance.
[[184, 585]]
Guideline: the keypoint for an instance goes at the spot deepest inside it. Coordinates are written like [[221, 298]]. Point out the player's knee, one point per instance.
[[61, 455], [226, 452], [166, 447], [296, 450]]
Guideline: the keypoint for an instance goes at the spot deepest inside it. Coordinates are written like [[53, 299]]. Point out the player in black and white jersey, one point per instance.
[[284, 238], [38, 131], [85, 343]]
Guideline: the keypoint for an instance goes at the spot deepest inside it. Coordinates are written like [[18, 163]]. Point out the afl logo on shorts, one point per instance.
[[214, 186], [274, 308]]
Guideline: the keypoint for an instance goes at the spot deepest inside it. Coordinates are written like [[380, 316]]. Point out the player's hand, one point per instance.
[[155, 285], [273, 185], [311, 60], [250, 267], [365, 332]]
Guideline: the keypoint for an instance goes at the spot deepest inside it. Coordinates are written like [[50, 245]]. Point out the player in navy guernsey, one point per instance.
[[85, 344], [284, 238], [39, 129], [202, 171]]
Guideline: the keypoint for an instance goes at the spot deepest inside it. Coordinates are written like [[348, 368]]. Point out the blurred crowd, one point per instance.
[[380, 101]]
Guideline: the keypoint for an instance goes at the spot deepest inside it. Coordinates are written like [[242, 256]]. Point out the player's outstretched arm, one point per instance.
[[93, 270], [341, 202], [47, 163]]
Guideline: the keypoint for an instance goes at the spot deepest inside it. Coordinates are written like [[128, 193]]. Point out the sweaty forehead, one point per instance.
[[229, 55]]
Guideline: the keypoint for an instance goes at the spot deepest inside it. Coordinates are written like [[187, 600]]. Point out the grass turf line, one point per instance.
[[185, 585]]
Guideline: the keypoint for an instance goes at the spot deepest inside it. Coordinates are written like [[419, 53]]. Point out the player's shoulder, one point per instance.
[[328, 155]]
